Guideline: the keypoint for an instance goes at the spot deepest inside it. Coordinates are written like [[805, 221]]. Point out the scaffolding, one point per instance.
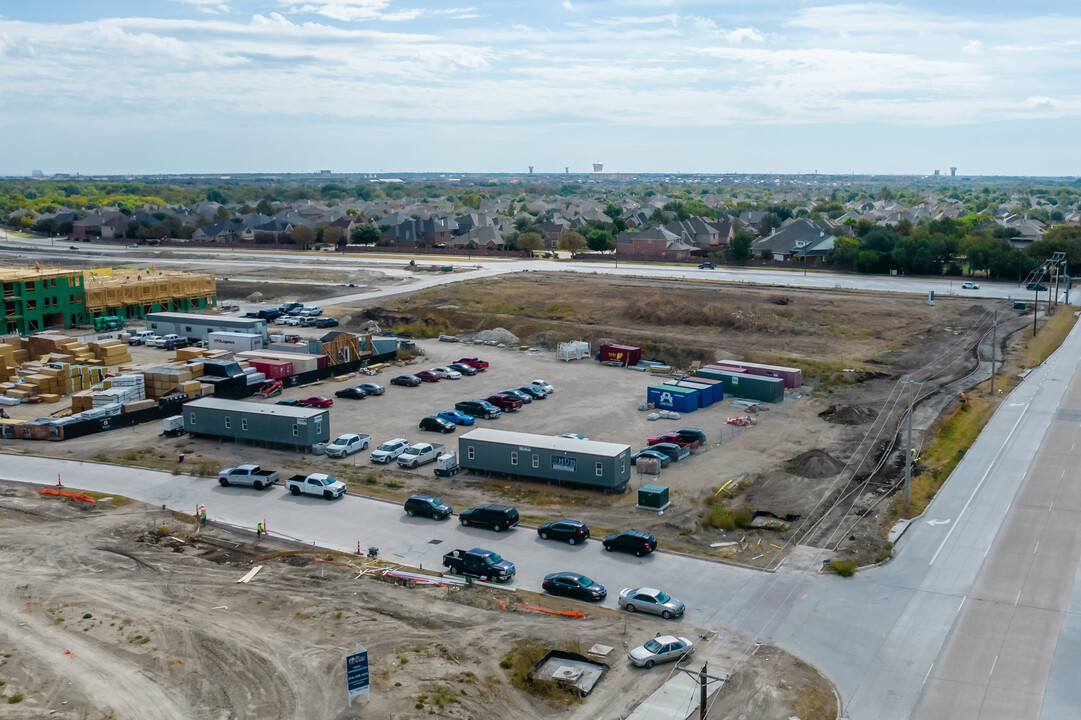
[[137, 292]]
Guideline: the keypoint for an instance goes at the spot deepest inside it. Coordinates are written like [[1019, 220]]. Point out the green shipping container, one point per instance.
[[749, 387]]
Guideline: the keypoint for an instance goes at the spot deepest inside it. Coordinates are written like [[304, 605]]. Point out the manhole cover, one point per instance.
[[435, 542]]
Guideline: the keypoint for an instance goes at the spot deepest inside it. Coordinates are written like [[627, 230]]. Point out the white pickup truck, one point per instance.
[[141, 337], [252, 475], [316, 484], [420, 454]]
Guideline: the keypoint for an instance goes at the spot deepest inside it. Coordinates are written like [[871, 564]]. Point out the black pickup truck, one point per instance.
[[479, 563]]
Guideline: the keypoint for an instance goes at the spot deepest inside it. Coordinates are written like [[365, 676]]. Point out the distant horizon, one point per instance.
[[648, 86]]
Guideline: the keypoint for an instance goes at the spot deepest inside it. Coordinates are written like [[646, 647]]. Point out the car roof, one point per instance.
[[645, 591], [421, 497], [669, 639]]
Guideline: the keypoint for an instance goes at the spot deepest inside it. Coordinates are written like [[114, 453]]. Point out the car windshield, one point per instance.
[[653, 646], [584, 581], [387, 447], [435, 501], [663, 597], [493, 559], [341, 441]]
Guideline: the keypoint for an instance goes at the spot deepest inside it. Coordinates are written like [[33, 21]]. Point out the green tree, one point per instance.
[[216, 195], [572, 242], [739, 247], [530, 242], [845, 252], [766, 254], [472, 200], [599, 240], [867, 261], [364, 235], [333, 235], [264, 207]]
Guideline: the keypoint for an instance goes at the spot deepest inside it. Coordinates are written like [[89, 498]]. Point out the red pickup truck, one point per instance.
[[504, 403], [473, 363], [675, 438]]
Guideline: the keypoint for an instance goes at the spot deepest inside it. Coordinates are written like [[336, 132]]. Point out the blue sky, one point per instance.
[[145, 86]]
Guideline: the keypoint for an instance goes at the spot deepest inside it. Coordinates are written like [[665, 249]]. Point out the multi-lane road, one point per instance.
[[974, 618]]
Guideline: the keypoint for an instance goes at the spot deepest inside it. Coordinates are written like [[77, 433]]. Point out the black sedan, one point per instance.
[[436, 423], [533, 391], [574, 585], [636, 542], [463, 368], [405, 380], [351, 393], [570, 531]]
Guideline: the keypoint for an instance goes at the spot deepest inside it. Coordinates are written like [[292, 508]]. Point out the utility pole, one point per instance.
[[909, 456], [703, 686], [994, 350], [1035, 305]]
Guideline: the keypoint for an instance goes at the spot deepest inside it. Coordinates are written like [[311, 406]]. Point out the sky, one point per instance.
[[384, 86]]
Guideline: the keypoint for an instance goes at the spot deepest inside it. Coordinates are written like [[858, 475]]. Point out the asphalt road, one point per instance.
[[878, 636]]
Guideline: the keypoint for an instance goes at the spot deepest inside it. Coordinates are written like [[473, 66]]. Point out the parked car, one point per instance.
[[446, 373], [525, 398], [693, 433], [543, 385], [324, 322], [1038, 287], [969, 285], [706, 266], [456, 417], [287, 307], [637, 542], [346, 445], [506, 403], [438, 424], [427, 376], [480, 563], [283, 320], [575, 585], [673, 451], [427, 506], [573, 436], [682, 440], [141, 337], [133, 246], [160, 341], [651, 453], [316, 484], [316, 401], [389, 450], [420, 454], [73, 247], [532, 391], [494, 517], [473, 362], [405, 380], [570, 531], [251, 475], [293, 403], [351, 393], [663, 648], [312, 311], [463, 369], [292, 321], [651, 600], [449, 338], [478, 408], [372, 388]]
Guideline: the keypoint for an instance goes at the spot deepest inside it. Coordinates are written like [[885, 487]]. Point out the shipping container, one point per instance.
[[717, 386], [705, 392], [622, 354], [793, 377], [751, 387], [273, 369], [301, 362], [234, 341], [670, 397], [563, 460]]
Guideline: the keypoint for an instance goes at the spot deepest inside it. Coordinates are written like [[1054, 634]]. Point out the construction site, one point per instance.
[[40, 298]]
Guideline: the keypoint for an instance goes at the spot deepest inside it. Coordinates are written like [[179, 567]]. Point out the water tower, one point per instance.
[[953, 172], [598, 167], [530, 169]]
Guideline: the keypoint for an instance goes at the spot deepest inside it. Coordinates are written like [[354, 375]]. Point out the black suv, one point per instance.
[[633, 541], [478, 408], [570, 531], [427, 506], [495, 517]]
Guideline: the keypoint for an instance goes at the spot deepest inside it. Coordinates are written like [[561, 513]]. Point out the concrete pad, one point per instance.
[[675, 700], [967, 659], [1024, 659], [999, 704], [1043, 584], [1002, 577], [948, 700]]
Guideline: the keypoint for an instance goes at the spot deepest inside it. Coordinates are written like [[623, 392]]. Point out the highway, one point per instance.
[[898, 640]]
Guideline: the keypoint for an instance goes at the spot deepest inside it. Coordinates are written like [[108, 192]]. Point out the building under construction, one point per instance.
[[35, 298]]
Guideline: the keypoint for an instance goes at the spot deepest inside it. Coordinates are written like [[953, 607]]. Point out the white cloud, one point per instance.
[[1039, 102], [740, 34], [211, 7], [567, 5], [973, 47]]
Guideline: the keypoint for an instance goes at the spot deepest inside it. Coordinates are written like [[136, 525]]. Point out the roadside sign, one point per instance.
[[356, 674]]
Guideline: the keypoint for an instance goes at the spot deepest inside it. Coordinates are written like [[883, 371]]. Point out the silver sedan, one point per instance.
[[663, 648], [650, 600]]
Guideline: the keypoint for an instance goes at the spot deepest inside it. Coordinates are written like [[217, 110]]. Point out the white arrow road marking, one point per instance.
[[938, 522]]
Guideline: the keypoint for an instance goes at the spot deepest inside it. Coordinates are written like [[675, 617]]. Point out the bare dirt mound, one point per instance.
[[814, 464], [848, 414]]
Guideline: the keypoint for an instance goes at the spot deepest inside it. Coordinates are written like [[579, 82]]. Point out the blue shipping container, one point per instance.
[[669, 397], [705, 391]]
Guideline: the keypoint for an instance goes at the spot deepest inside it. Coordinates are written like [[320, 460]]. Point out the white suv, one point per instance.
[[389, 450]]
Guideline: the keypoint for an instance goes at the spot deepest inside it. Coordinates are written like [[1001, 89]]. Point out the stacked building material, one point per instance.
[[111, 352], [164, 379]]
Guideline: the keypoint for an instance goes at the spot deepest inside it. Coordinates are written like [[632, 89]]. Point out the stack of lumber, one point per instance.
[[111, 352]]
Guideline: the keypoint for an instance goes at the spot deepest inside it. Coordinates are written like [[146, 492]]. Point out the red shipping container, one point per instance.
[[273, 369], [322, 361], [622, 354]]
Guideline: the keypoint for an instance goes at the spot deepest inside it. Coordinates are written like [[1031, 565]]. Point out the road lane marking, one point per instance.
[[1036, 548], [987, 472], [993, 663], [928, 673], [1018, 597], [1052, 506]]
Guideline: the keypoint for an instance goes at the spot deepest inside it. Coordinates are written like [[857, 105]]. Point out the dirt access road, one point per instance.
[[120, 610]]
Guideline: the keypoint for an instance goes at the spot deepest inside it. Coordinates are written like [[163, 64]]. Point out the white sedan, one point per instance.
[[968, 285], [663, 648], [446, 373], [543, 385]]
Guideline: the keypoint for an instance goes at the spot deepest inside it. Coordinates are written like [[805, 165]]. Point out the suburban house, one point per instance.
[[101, 224], [653, 244], [224, 231], [800, 238], [700, 232]]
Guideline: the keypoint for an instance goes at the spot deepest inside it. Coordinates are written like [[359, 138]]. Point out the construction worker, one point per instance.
[[202, 515], [915, 457], [259, 530]]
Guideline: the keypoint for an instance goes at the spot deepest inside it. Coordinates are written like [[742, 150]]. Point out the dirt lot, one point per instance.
[[120, 610]]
